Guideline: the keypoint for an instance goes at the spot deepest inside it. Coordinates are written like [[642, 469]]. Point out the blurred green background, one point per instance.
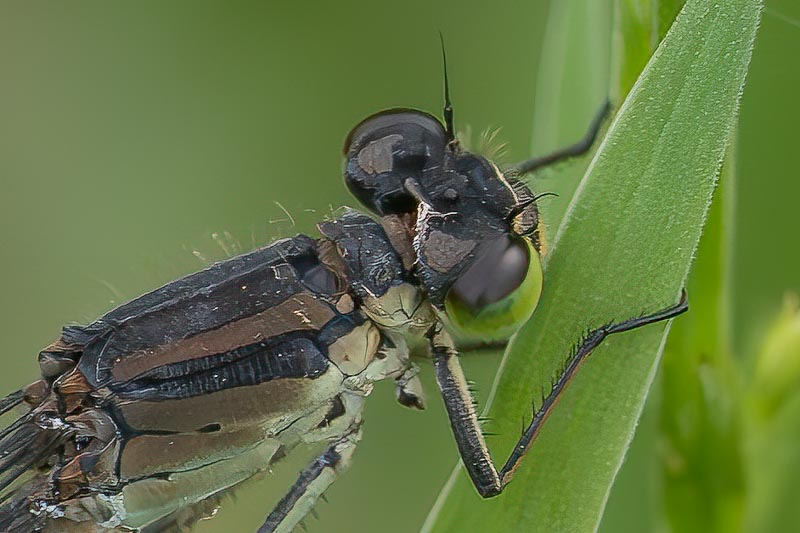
[[131, 134]]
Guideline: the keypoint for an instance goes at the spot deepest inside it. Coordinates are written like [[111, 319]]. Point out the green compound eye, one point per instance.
[[498, 293]]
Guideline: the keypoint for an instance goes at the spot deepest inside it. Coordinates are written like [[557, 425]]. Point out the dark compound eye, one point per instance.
[[495, 274], [386, 149], [499, 291]]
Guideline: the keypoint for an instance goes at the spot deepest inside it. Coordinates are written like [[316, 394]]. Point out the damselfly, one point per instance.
[[143, 419]]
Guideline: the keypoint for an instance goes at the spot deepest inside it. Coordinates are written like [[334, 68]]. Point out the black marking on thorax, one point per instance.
[[372, 265]]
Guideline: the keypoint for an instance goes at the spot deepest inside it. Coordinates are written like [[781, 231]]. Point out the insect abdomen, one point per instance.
[[187, 391]]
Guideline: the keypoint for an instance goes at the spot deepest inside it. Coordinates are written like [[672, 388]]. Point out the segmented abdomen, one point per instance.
[[184, 392]]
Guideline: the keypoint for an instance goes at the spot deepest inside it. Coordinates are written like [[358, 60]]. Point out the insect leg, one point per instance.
[[574, 150], [488, 480], [460, 406], [311, 484]]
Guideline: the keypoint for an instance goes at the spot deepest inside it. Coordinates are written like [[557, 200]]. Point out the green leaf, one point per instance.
[[625, 248], [636, 502], [636, 499]]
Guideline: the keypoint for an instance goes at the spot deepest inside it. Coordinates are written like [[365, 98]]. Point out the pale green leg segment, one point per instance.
[[312, 483]]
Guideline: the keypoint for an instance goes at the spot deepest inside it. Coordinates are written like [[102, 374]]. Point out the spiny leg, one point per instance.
[[574, 150], [312, 483], [459, 403]]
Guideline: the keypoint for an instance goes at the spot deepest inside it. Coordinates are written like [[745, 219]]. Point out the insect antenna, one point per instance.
[[448, 107]]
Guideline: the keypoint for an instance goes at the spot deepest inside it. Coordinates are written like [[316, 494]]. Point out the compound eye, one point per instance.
[[415, 127], [386, 149], [499, 291], [493, 275]]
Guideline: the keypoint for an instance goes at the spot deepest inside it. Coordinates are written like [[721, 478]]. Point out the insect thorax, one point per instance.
[[376, 261]]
